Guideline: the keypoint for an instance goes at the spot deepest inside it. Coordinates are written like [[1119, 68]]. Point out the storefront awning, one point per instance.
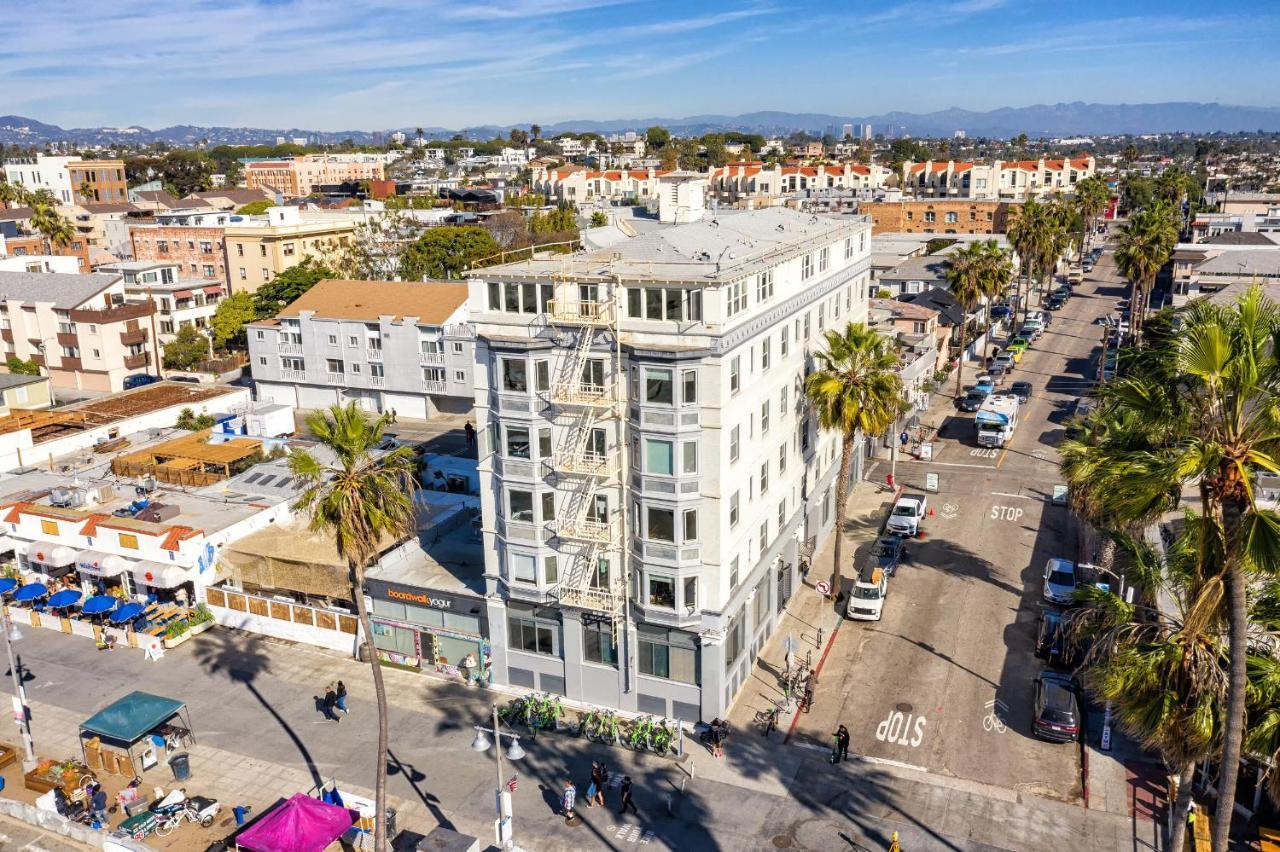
[[97, 564], [160, 576], [7, 544], [214, 290], [52, 555], [182, 294]]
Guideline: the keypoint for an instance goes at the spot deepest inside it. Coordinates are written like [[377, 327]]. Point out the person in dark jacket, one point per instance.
[[842, 743], [98, 804], [626, 796], [340, 696], [329, 703]]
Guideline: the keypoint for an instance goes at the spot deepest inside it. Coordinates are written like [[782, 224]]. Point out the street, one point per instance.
[[944, 682]]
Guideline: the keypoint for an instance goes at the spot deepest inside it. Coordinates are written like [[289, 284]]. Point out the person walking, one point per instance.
[[893, 843], [567, 799], [717, 738], [842, 743], [471, 435], [626, 797], [601, 784], [809, 684], [98, 804], [340, 697], [330, 701]]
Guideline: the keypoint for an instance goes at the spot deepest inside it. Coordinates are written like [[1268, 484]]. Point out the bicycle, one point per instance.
[[638, 737], [768, 719], [661, 739]]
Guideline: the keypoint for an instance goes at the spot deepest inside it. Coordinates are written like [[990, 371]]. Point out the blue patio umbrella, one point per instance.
[[126, 613], [98, 605], [30, 592], [7, 585], [66, 597]]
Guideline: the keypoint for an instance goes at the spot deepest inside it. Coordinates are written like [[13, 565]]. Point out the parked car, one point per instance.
[[866, 598], [985, 384], [389, 442], [138, 380], [1000, 311], [1022, 390], [1055, 303], [1031, 332], [907, 514], [972, 400], [191, 380], [1059, 580], [1057, 709], [1050, 637], [887, 553], [1087, 266], [1004, 360]]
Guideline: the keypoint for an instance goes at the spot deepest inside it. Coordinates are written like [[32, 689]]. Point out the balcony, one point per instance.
[[290, 348], [431, 358], [581, 393], [293, 375], [120, 313], [133, 337], [68, 339], [69, 363], [429, 386], [133, 362], [581, 529], [374, 354], [376, 381], [580, 311], [336, 378], [584, 464]]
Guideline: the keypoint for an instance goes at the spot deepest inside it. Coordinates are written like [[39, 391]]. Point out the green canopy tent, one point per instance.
[[130, 722]]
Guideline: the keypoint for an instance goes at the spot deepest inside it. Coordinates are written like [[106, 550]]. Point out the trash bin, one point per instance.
[[180, 763]]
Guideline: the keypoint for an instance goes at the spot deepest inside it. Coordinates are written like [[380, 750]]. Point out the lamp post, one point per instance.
[[502, 826], [20, 714]]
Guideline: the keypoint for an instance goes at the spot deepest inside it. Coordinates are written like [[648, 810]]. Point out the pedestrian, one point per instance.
[[340, 697], [98, 804], [810, 684], [717, 738], [788, 661], [393, 415], [626, 796], [842, 743], [592, 789], [601, 784], [330, 701], [471, 434], [568, 798], [464, 668]]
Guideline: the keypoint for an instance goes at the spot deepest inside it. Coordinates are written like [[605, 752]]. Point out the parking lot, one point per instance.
[[944, 681]]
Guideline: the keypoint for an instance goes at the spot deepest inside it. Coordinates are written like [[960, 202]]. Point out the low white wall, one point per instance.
[[334, 640]]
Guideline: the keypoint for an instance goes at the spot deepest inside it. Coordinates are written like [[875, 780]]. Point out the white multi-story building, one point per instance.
[[998, 181], [651, 478], [179, 301], [389, 345], [43, 172]]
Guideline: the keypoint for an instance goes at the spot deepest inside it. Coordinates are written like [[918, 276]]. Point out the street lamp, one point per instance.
[[20, 714], [502, 826]]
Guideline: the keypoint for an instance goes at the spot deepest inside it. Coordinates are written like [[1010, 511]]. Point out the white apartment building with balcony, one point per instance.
[[1001, 180], [389, 345], [651, 477], [179, 301]]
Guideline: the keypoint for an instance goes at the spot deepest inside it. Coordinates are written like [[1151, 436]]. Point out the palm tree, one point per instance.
[[967, 273], [997, 272], [52, 224], [1092, 195], [1146, 244], [361, 500], [1209, 416], [535, 131], [1030, 234], [12, 193], [856, 390]]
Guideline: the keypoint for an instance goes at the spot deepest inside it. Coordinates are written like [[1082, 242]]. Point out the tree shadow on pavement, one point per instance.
[[241, 660], [414, 777]]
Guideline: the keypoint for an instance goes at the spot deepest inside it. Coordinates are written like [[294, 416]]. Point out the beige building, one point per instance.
[[259, 249], [295, 177], [23, 393], [79, 328]]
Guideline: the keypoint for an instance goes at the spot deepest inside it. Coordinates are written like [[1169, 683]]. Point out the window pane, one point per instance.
[[660, 457], [662, 591], [528, 299], [548, 506], [546, 641], [653, 303], [662, 524], [661, 665], [690, 457], [658, 386], [690, 525], [517, 442], [691, 592], [522, 506], [633, 302], [541, 375], [550, 570], [673, 305], [514, 376], [683, 665], [689, 387], [512, 300]]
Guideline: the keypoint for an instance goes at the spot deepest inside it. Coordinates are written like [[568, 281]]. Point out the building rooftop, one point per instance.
[[62, 290], [906, 310], [930, 267], [448, 555], [429, 302], [17, 380], [1240, 238], [723, 245], [1243, 263]]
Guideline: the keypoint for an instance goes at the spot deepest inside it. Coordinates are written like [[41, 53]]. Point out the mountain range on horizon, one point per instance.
[[1038, 121]]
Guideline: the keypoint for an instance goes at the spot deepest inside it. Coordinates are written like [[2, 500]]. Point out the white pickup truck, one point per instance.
[[907, 515]]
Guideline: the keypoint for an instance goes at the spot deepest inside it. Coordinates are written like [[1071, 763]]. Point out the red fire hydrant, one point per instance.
[[889, 480]]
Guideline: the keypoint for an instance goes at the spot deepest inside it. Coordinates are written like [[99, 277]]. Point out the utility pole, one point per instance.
[[21, 714]]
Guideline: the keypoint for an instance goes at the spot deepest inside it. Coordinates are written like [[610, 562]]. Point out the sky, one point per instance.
[[377, 64]]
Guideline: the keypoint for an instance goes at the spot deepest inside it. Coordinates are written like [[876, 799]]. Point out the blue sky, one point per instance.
[[369, 64]]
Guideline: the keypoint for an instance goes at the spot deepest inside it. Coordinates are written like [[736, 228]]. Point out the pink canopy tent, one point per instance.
[[302, 824]]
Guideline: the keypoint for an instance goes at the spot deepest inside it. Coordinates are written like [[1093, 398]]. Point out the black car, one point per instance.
[[138, 380], [1022, 390], [1057, 709], [1055, 303], [1051, 640], [972, 401]]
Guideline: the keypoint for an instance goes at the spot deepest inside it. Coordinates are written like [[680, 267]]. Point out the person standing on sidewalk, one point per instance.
[[810, 684], [568, 799], [599, 778], [893, 843], [340, 697], [626, 797], [842, 743]]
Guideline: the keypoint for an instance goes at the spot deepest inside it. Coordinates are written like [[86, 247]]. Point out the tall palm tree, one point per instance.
[[361, 500], [997, 273], [1030, 233], [12, 193], [855, 390], [1092, 195], [1147, 242], [53, 225], [1211, 418], [967, 272]]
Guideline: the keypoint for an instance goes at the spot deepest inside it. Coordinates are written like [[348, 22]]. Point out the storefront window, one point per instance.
[[733, 641], [395, 640], [534, 630], [669, 654], [597, 644]]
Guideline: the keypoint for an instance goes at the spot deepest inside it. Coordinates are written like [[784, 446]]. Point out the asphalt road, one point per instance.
[[944, 681]]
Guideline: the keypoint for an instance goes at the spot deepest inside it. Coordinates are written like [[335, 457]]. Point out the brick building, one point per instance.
[[191, 238], [937, 216], [36, 244]]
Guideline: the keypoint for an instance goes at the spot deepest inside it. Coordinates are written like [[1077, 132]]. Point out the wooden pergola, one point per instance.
[[188, 460]]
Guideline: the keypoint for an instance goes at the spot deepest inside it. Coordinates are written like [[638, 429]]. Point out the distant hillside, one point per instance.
[[1041, 120]]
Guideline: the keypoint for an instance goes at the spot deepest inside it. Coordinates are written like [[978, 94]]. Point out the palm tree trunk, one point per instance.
[[1181, 805], [380, 693], [964, 327], [1233, 724], [842, 500]]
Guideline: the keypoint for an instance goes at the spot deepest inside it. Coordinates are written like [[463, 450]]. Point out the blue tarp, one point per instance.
[[98, 604], [132, 717], [30, 592]]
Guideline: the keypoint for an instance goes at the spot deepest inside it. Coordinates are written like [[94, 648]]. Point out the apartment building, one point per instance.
[[937, 216], [106, 226], [98, 181], [755, 183], [651, 478], [190, 237], [70, 179], [261, 247], [577, 185], [79, 328], [295, 177], [402, 345], [38, 245], [179, 301], [997, 181]]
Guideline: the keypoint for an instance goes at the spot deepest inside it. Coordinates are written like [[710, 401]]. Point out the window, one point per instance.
[[533, 629], [659, 457], [764, 354], [266, 273], [459, 376], [952, 218], [333, 340], [848, 248], [49, 527], [521, 505], [377, 370], [764, 535], [782, 513], [733, 574], [352, 340], [517, 442], [541, 375], [764, 417], [782, 400], [930, 216], [514, 375], [544, 443], [764, 285], [689, 387], [657, 386], [597, 644], [522, 567], [288, 249], [689, 461], [355, 368], [733, 643], [806, 267], [550, 572], [262, 249], [661, 524], [735, 444], [333, 366], [764, 477], [785, 341], [737, 298], [782, 458], [129, 541], [733, 510], [824, 258], [669, 654], [240, 252], [760, 603], [690, 530], [735, 374], [662, 591], [548, 506]]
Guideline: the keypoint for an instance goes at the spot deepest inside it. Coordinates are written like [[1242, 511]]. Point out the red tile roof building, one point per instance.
[[1014, 180]]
